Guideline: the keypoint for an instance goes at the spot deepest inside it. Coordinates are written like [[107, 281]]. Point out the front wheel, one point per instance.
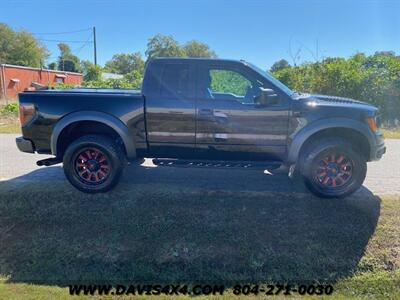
[[333, 168], [93, 163]]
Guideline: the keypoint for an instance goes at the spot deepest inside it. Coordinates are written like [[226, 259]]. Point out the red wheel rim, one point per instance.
[[334, 170], [92, 166]]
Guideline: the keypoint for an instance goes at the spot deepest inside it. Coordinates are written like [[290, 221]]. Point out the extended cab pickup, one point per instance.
[[209, 109]]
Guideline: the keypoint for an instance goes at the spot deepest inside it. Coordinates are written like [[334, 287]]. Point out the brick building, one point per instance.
[[15, 79]]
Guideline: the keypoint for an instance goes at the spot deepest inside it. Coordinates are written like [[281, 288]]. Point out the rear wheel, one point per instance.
[[93, 163], [333, 168]]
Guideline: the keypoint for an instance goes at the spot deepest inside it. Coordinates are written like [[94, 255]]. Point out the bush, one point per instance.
[[92, 72], [10, 108], [113, 84], [374, 79], [128, 82], [62, 86]]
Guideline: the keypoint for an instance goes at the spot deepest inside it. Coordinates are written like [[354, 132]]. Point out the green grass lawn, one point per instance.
[[391, 133], [53, 235], [9, 124], [10, 128]]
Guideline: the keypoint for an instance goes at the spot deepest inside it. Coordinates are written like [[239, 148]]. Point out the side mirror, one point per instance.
[[266, 97]]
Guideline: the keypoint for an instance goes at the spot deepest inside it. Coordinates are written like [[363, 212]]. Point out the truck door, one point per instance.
[[170, 109], [230, 125]]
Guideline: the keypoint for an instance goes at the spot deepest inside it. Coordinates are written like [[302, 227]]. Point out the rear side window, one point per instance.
[[175, 80]]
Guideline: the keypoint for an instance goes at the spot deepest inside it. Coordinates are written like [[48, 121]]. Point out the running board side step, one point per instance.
[[48, 162], [220, 164]]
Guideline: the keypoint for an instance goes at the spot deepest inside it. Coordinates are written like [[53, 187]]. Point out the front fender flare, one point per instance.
[[120, 128], [307, 131]]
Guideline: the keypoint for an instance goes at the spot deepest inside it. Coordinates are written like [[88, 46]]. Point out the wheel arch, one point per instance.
[[351, 130], [93, 116]]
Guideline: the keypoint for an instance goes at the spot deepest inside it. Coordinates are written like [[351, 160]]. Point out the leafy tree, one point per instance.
[[279, 65], [20, 48], [198, 49], [166, 46], [52, 66], [6, 43], [125, 63], [134, 78], [374, 79], [92, 78], [110, 83], [163, 46], [91, 72], [67, 61]]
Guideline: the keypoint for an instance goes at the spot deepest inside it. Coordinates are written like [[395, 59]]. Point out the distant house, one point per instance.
[[15, 79], [106, 76]]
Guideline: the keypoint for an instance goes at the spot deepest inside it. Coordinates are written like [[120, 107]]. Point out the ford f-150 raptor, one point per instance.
[[202, 109]]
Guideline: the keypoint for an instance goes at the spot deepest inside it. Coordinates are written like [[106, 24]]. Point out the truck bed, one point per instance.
[[127, 105], [86, 91]]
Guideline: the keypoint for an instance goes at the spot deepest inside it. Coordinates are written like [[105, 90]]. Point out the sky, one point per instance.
[[260, 32]]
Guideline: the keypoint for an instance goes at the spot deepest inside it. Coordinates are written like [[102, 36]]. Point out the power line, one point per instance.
[[65, 32], [64, 41], [78, 50]]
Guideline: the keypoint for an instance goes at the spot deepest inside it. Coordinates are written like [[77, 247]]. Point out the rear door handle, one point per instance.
[[206, 115]]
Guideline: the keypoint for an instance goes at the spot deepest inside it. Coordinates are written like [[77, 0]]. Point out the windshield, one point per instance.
[[272, 79]]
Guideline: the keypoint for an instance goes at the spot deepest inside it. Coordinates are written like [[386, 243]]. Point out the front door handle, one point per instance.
[[206, 112], [297, 114], [220, 137]]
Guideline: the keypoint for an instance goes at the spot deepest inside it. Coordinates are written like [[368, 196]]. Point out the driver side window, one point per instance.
[[231, 85]]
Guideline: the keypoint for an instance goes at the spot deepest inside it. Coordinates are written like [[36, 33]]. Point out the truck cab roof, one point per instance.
[[197, 59]]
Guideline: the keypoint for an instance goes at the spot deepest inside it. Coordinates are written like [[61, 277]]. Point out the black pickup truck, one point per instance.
[[202, 109]]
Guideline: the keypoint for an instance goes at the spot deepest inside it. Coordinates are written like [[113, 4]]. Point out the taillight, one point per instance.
[[26, 113]]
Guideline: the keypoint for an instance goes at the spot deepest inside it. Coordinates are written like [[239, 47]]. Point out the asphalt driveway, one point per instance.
[[383, 176]]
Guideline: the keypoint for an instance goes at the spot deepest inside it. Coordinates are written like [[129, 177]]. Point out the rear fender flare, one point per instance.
[[120, 128]]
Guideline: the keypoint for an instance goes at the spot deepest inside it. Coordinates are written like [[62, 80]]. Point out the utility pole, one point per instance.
[[94, 45]]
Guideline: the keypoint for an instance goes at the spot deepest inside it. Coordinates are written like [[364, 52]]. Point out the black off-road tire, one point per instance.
[[93, 163], [317, 159]]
